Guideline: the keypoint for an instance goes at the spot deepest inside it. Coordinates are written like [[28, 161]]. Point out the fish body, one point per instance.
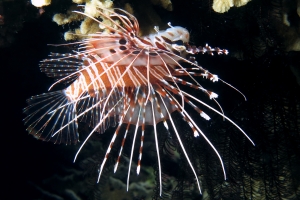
[[121, 78]]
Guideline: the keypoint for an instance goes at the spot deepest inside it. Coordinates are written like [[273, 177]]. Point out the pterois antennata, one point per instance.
[[122, 77]]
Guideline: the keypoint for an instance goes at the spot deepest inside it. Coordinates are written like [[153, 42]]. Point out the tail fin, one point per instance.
[[52, 117]]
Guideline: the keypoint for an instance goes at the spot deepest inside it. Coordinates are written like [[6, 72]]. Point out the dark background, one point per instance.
[[258, 65]]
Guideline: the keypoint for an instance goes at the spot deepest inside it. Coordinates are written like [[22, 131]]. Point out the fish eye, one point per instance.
[[178, 42]]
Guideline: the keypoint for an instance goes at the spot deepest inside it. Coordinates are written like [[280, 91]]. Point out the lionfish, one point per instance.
[[127, 79]]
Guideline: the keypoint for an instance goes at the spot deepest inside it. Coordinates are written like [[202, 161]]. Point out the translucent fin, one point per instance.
[[47, 113], [89, 109], [62, 67]]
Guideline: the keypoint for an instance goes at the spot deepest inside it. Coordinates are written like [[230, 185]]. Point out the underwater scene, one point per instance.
[[151, 99]]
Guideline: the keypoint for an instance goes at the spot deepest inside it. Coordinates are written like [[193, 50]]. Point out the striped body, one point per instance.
[[131, 85], [121, 78]]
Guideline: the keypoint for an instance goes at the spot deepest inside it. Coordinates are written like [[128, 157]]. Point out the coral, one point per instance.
[[149, 18], [239, 3], [128, 8], [222, 6], [287, 25], [166, 4], [87, 25], [67, 18], [79, 181], [40, 3]]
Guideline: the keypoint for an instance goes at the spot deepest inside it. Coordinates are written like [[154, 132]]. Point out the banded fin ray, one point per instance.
[[47, 113], [62, 67], [89, 109]]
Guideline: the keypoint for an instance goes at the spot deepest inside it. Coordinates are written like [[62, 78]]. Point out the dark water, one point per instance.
[[39, 170]]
